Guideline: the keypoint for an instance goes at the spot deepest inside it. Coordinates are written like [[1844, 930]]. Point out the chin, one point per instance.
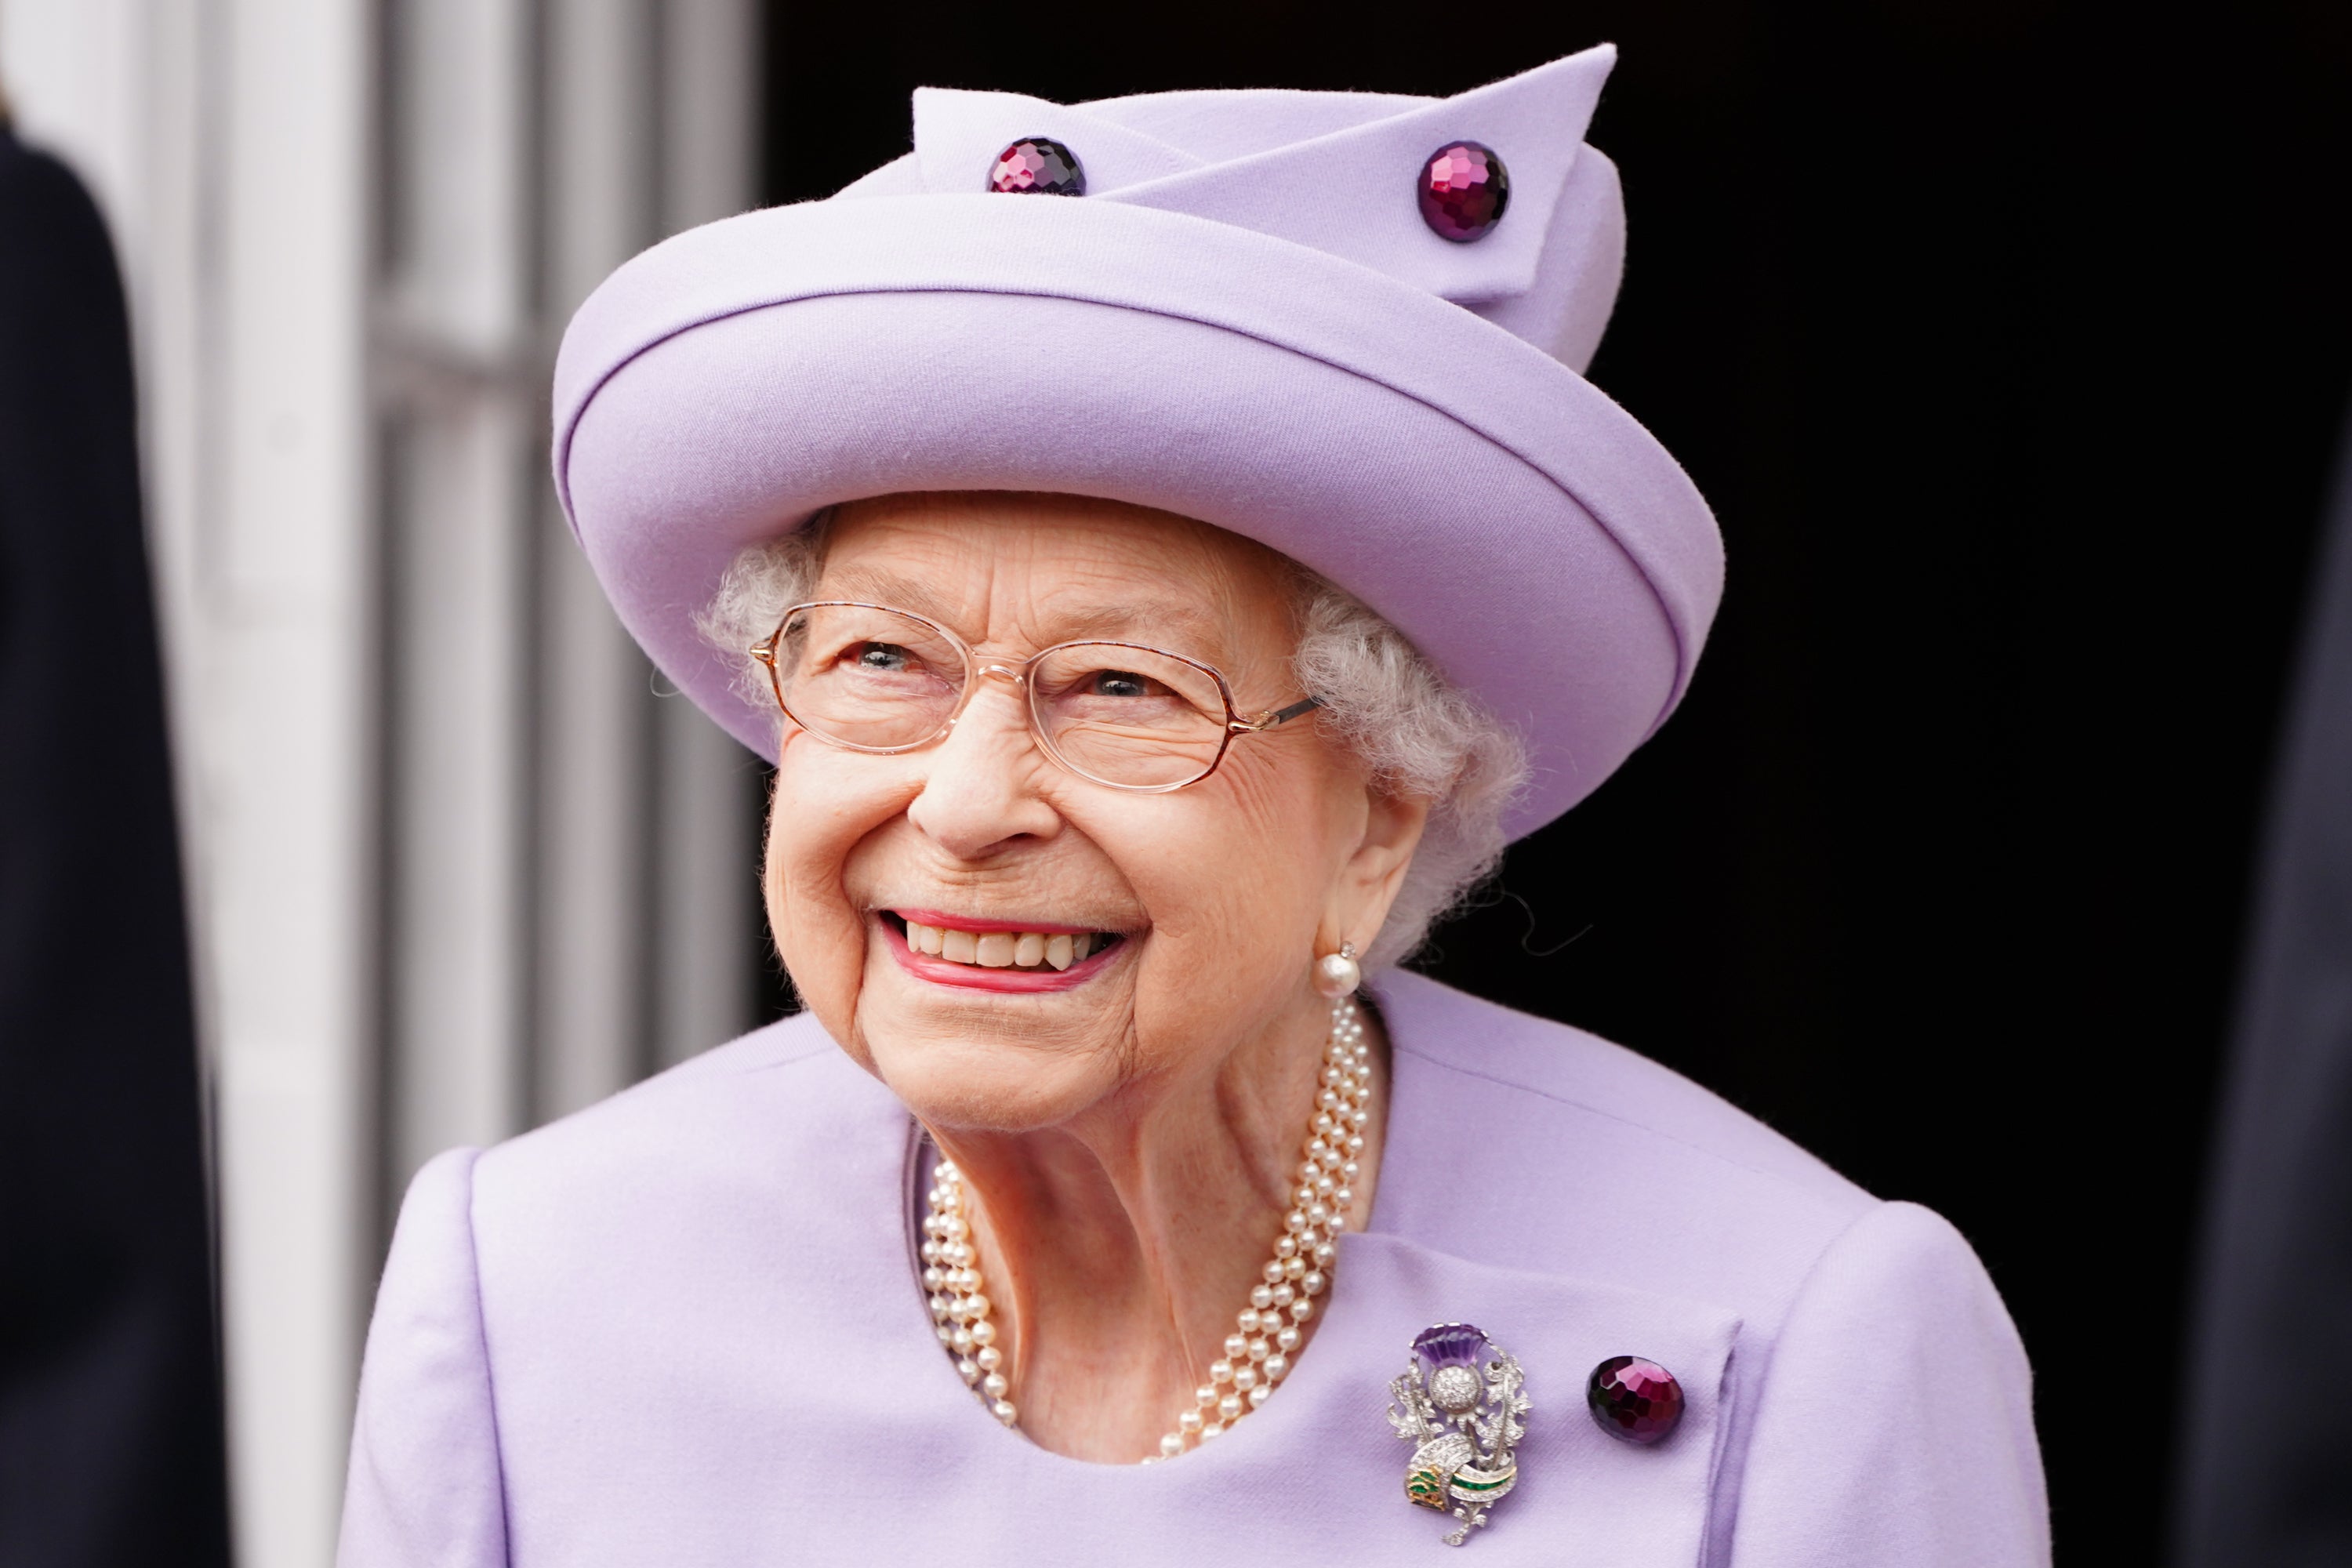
[[965, 1050], [979, 1084]]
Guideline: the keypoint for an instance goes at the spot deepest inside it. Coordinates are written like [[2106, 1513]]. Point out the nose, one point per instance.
[[980, 789]]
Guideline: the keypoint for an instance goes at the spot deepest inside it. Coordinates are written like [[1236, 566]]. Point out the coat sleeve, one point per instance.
[[1895, 1425], [425, 1489]]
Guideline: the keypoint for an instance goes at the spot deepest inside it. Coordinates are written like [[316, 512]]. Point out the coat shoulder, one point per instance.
[[749, 1115], [1470, 1037], [1620, 1163]]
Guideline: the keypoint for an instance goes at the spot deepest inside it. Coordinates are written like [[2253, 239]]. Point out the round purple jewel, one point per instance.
[[1450, 1344], [1634, 1399], [1037, 166], [1463, 190]]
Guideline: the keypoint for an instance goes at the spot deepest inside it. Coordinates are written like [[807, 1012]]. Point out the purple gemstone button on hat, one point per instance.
[[1634, 1399], [1037, 166], [1463, 189]]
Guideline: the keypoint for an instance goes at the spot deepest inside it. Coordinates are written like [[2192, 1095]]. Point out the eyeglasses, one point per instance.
[[868, 678]]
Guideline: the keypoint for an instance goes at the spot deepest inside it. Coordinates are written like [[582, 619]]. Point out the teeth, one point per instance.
[[1001, 949]]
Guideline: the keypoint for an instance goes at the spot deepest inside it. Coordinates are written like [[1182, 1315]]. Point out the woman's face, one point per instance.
[[1206, 905]]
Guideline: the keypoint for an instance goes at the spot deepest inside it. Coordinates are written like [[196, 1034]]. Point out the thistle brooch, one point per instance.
[[1459, 1403]]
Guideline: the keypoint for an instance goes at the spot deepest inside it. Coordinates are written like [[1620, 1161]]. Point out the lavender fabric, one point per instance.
[[1244, 321], [684, 1326]]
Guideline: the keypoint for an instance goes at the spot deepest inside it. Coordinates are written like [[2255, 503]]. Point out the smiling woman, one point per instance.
[[1149, 650], [989, 781]]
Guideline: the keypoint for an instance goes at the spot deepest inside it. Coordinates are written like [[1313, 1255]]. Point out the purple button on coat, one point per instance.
[[682, 1328]]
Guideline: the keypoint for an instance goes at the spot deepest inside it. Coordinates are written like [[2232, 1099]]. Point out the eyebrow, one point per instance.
[[1141, 619]]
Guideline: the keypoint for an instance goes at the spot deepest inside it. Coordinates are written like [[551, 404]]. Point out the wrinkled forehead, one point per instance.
[[1011, 574]]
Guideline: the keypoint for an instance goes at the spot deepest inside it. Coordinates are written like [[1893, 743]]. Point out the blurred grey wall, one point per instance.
[[456, 867]]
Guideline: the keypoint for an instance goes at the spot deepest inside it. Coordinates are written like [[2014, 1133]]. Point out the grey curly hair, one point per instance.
[[1415, 732]]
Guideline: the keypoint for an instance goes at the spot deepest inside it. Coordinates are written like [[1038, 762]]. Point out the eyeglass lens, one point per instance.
[[880, 681]]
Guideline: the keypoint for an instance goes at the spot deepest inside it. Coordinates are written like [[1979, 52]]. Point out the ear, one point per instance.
[[1374, 869]]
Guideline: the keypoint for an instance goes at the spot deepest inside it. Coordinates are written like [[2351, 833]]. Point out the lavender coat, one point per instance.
[[682, 1329]]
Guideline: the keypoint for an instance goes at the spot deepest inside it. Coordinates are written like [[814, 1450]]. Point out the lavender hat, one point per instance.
[[1245, 318]]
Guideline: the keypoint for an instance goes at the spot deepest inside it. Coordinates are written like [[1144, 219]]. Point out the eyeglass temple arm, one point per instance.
[[1280, 716]]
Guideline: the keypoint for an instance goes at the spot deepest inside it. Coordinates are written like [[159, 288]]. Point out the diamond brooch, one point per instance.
[[1460, 1403]]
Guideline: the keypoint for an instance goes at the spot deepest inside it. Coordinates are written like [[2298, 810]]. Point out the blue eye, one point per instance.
[[1119, 683], [887, 657]]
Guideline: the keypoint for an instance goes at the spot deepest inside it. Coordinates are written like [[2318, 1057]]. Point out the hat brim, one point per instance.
[[1525, 532]]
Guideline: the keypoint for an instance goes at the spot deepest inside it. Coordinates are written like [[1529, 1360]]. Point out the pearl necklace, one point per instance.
[[1256, 1357]]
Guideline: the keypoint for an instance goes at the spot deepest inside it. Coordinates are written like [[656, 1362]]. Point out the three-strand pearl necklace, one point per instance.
[[1259, 1354]]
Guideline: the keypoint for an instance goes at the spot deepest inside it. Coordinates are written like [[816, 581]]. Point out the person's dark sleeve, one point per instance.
[[2267, 1433], [111, 1434]]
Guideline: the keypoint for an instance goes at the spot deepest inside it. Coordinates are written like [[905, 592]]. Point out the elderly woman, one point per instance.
[[1162, 601]]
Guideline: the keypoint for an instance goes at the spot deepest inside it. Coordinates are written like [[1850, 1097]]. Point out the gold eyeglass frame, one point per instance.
[[975, 668]]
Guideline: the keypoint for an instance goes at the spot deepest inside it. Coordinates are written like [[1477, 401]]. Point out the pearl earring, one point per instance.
[[1336, 974]]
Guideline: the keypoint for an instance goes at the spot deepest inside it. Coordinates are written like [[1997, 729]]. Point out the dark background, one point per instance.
[[2010, 343]]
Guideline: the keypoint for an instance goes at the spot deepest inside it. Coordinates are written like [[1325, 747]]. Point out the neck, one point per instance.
[[1120, 1247]]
